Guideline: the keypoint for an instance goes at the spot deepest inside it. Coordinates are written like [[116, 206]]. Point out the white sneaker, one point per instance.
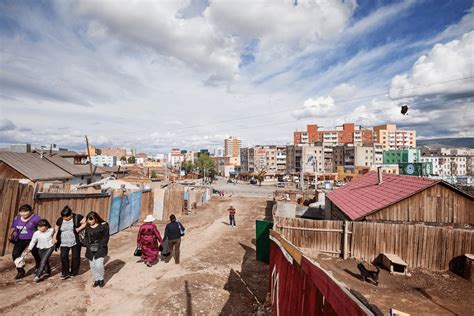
[[36, 279]]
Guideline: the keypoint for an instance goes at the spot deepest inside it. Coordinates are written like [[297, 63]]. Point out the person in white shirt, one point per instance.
[[43, 240]]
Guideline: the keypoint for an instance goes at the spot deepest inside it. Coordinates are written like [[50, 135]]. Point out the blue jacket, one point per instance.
[[172, 231]]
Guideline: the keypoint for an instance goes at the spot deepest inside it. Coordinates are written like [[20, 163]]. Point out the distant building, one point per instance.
[[20, 148], [219, 152], [93, 151], [118, 152], [392, 138], [401, 156], [448, 165], [344, 134], [175, 158], [357, 155], [104, 160], [232, 147]]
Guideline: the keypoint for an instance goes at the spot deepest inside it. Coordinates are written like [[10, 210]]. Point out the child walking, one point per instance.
[[43, 240], [231, 211]]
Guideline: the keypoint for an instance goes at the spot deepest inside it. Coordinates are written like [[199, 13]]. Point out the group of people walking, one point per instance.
[[31, 234]]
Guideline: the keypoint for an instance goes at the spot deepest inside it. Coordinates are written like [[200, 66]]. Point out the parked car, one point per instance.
[[253, 181]]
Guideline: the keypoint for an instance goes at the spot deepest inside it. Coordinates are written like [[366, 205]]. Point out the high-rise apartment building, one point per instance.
[[392, 138], [344, 134], [232, 146]]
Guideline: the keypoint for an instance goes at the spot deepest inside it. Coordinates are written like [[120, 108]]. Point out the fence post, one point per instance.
[[345, 245]]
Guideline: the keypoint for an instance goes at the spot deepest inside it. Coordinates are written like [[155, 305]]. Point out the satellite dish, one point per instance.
[[310, 159]]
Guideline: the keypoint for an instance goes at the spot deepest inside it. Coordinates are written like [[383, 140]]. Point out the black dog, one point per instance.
[[365, 273]]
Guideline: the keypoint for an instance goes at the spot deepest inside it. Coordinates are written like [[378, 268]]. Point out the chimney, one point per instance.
[[379, 175]]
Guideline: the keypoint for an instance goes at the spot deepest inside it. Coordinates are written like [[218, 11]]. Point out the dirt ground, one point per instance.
[[218, 273], [423, 293]]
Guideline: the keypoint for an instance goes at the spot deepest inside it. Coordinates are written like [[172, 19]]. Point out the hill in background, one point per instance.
[[447, 142]]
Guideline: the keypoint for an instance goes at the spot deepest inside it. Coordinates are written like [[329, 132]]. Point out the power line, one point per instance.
[[338, 101], [334, 115]]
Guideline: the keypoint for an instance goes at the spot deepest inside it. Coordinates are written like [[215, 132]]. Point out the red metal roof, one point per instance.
[[364, 195]]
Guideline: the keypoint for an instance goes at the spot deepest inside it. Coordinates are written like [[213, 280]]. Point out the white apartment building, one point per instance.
[[447, 165], [104, 160], [219, 152], [392, 138]]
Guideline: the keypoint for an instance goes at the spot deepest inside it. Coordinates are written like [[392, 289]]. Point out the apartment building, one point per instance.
[[310, 158], [175, 157], [344, 134], [392, 138], [271, 158], [401, 156], [104, 160], [232, 146], [448, 165], [360, 155]]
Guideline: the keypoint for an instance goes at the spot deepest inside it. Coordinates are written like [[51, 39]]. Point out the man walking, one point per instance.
[[173, 232], [231, 211]]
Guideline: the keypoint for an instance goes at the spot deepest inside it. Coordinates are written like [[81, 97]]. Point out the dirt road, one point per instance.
[[218, 273]]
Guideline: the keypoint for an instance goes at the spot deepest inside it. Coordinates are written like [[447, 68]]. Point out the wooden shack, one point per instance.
[[400, 198]]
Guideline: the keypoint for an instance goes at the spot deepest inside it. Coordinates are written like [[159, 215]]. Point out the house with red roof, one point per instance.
[[378, 196]]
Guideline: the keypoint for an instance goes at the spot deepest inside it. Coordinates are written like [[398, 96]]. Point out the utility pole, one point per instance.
[[301, 174], [89, 155]]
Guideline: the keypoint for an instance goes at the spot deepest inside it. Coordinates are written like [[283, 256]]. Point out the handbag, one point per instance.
[[138, 252], [181, 229], [94, 247], [17, 235]]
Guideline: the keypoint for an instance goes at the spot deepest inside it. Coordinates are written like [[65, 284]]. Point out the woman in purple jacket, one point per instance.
[[21, 232]]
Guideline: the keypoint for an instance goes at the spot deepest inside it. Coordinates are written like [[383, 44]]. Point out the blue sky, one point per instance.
[[161, 74]]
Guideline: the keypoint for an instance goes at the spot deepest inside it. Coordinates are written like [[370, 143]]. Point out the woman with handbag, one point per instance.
[[21, 232], [66, 239], [147, 241], [96, 241]]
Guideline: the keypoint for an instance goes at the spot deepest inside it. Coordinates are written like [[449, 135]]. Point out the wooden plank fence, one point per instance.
[[417, 244], [49, 205]]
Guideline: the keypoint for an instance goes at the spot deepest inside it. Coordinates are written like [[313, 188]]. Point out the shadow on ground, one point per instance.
[[248, 288]]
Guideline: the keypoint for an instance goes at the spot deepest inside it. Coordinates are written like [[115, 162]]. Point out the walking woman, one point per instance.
[[66, 238], [21, 233], [173, 232], [148, 239], [96, 240]]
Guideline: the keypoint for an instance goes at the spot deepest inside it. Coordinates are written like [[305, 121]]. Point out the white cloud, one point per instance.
[[344, 91], [320, 106], [444, 62]]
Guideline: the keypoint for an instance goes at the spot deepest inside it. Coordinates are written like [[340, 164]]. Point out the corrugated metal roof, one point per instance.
[[364, 195], [33, 167], [75, 170]]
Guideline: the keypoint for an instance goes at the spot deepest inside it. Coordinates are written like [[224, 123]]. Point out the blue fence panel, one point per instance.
[[130, 210], [114, 215]]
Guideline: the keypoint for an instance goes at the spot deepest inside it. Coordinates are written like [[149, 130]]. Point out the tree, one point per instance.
[[206, 167], [153, 174], [261, 171], [123, 158], [131, 160], [187, 166]]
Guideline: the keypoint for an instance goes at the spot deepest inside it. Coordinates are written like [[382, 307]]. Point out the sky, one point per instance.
[[155, 75]]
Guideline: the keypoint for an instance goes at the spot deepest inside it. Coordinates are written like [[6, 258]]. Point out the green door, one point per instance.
[[263, 240]]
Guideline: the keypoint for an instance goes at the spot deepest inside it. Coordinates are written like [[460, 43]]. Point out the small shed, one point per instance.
[[400, 198]]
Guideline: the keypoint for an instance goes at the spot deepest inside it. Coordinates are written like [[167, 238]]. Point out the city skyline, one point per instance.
[[188, 74]]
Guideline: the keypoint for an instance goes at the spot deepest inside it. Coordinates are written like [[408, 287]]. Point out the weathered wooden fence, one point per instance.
[[49, 205], [417, 244]]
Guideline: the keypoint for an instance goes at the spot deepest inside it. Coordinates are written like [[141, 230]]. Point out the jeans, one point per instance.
[[20, 246], [97, 268], [44, 267], [174, 244], [76, 260], [232, 220]]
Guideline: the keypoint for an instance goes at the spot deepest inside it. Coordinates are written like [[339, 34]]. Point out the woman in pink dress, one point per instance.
[[147, 240]]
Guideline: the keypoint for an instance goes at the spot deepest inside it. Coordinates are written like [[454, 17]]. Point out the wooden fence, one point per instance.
[[417, 244], [49, 205]]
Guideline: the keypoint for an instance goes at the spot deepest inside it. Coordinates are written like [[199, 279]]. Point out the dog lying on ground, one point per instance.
[[366, 273]]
